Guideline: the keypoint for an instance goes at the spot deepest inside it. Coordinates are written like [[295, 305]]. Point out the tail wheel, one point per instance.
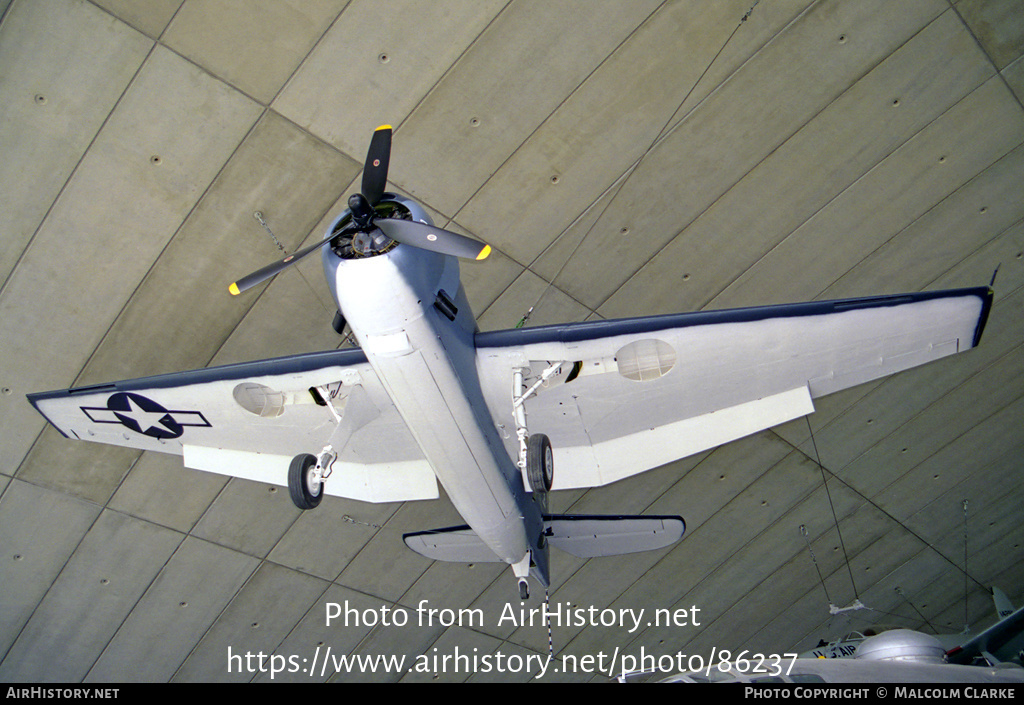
[[304, 486], [539, 462]]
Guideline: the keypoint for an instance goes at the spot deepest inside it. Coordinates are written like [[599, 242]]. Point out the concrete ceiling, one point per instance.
[[831, 149]]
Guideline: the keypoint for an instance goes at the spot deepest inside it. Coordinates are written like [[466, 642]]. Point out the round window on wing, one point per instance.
[[644, 360], [259, 399]]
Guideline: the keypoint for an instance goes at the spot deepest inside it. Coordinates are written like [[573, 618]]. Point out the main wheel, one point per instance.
[[540, 467], [304, 487]]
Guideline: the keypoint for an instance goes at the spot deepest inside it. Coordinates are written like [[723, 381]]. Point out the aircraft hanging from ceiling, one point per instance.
[[427, 397], [1001, 643], [897, 656]]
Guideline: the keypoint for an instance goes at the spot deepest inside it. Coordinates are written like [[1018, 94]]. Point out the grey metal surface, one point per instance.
[[833, 149]]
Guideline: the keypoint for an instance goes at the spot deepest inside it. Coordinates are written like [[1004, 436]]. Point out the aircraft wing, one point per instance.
[[632, 394], [249, 420], [1003, 642]]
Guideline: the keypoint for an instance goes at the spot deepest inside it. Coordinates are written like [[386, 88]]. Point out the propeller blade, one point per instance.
[[375, 171], [261, 275], [428, 237], [409, 232]]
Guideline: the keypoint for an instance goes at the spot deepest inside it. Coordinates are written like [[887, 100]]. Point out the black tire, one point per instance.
[[539, 464], [299, 474]]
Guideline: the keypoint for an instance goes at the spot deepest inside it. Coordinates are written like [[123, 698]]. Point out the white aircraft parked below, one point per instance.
[[1002, 643], [897, 656]]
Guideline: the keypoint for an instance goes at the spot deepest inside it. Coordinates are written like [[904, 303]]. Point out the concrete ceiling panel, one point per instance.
[[985, 494], [473, 646], [952, 231], [53, 106], [592, 138], [288, 317], [350, 526], [182, 312], [321, 643], [879, 414], [929, 74], [935, 163], [966, 454], [719, 476], [255, 47], [35, 552], [437, 589], [409, 643], [86, 470], [260, 616], [1014, 75], [784, 542], [173, 614], [373, 67], [694, 557], [470, 116], [384, 566], [998, 25], [485, 281], [158, 488], [248, 516], [149, 16], [109, 570], [528, 291], [124, 203], [1007, 249], [762, 105], [954, 414]]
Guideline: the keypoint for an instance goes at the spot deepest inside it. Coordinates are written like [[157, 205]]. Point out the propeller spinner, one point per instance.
[[361, 205]]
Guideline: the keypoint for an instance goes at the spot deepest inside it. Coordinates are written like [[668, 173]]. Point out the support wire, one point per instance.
[[617, 186]]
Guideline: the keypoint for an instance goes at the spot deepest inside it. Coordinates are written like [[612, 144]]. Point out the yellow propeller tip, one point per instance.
[[484, 252], [383, 127], [234, 289]]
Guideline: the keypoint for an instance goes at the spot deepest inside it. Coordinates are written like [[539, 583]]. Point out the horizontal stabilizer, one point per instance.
[[456, 544], [593, 536], [585, 536]]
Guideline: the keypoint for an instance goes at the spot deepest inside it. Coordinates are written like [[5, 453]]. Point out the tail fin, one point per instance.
[[1004, 608]]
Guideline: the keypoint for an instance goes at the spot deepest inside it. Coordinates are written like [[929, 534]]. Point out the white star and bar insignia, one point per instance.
[[143, 415]]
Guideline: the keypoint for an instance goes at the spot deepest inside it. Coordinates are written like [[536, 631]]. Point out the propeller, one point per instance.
[[361, 205]]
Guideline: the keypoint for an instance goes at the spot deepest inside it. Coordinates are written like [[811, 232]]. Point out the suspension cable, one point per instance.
[[832, 506]]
